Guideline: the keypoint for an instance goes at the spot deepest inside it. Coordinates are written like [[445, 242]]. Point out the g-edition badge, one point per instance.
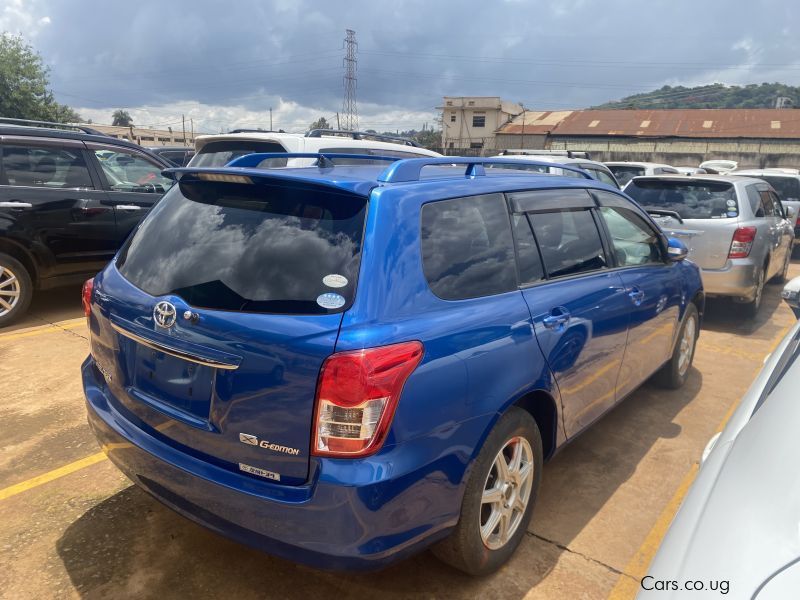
[[165, 314], [252, 440]]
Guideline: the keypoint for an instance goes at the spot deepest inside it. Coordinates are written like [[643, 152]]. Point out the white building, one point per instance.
[[470, 122]]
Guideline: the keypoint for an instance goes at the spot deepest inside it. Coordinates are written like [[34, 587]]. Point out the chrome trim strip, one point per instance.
[[200, 360]]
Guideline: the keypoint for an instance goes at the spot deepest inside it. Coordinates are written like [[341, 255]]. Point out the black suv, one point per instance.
[[69, 197]]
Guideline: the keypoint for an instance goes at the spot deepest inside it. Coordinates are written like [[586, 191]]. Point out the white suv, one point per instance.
[[219, 150], [624, 171], [596, 169]]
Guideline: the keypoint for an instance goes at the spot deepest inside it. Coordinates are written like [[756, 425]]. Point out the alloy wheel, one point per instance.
[[506, 493], [687, 346], [10, 290]]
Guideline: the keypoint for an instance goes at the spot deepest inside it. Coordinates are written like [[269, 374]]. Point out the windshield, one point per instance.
[[690, 199], [624, 173], [788, 188], [252, 248], [219, 154]]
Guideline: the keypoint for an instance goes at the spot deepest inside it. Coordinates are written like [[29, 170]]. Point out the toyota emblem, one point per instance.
[[165, 314]]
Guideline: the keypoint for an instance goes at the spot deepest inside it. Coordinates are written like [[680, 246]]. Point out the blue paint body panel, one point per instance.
[[174, 427]]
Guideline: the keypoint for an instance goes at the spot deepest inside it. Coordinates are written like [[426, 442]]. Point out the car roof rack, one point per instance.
[[410, 169], [256, 131], [360, 135], [567, 153], [50, 124]]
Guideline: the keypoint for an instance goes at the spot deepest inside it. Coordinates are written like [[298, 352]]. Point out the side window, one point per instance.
[[634, 241], [528, 261], [601, 175], [569, 242], [777, 207], [467, 249], [48, 167], [766, 203], [754, 199], [127, 171]]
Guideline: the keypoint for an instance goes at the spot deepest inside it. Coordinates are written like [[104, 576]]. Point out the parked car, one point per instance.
[[624, 171], [69, 197], [219, 150], [791, 295], [786, 182], [735, 228], [691, 170], [596, 169], [345, 365], [178, 156], [736, 531]]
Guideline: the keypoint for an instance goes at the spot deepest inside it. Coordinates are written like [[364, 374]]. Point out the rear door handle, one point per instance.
[[13, 204], [557, 318], [129, 207], [636, 295]]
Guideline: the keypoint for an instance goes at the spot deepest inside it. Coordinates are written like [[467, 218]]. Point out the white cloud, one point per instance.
[[22, 17]]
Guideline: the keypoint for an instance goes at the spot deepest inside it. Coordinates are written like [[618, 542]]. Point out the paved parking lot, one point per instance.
[[74, 527]]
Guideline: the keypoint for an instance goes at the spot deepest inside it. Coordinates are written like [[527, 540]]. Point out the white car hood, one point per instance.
[[740, 522]]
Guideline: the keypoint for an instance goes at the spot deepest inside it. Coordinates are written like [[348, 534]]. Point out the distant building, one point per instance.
[[470, 122], [754, 137], [146, 137]]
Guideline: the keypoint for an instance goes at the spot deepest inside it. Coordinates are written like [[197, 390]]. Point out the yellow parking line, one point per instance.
[[55, 327], [628, 583], [24, 486]]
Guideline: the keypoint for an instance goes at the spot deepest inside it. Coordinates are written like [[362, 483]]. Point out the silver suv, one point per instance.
[[735, 227]]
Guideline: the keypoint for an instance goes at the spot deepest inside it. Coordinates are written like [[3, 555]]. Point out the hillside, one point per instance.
[[716, 95]]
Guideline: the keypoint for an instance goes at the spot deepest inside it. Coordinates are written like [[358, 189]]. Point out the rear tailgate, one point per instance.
[[704, 213], [212, 326]]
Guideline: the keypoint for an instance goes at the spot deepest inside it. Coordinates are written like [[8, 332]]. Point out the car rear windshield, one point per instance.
[[690, 199], [251, 248], [788, 188], [624, 173], [219, 154]]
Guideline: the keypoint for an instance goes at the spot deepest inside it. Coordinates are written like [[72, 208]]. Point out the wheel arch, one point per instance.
[[22, 255]]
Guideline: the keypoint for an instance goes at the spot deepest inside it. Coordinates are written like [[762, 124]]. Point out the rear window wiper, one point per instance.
[[665, 213]]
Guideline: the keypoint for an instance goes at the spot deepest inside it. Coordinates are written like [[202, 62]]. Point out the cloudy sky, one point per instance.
[[225, 64]]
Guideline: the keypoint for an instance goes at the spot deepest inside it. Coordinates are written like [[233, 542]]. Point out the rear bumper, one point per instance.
[[737, 278], [352, 515]]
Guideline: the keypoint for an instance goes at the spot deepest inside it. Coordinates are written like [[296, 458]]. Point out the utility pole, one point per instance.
[[337, 121], [192, 122], [270, 118], [183, 120], [522, 139], [349, 108]]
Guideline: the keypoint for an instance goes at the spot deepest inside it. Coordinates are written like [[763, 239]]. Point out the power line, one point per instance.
[[349, 107]]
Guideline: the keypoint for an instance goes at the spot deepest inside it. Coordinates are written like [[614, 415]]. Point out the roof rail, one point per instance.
[[360, 135], [410, 169], [323, 159], [567, 153], [51, 124], [256, 131]]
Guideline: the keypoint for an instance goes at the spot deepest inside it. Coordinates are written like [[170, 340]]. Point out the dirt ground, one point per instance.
[[73, 526]]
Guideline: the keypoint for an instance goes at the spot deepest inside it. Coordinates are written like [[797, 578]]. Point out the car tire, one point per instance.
[[751, 308], [782, 276], [16, 289], [472, 547], [675, 372]]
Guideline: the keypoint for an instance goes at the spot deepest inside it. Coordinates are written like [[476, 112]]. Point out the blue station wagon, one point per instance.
[[344, 365]]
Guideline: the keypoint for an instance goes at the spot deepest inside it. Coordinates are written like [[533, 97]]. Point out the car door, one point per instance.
[[50, 199], [133, 183], [652, 283], [773, 220], [578, 304], [784, 231]]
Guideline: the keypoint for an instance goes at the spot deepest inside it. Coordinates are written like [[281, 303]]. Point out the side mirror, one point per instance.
[[791, 212], [791, 295], [676, 249]]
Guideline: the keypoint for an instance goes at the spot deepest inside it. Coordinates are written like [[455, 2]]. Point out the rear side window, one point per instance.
[[47, 167], [467, 249], [250, 248], [569, 242], [601, 175], [624, 173], [219, 154], [690, 199]]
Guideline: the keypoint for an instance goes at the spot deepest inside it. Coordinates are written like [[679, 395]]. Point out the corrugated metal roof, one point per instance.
[[535, 121], [689, 123]]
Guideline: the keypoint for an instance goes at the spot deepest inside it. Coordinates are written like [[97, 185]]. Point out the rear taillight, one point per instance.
[[86, 296], [357, 396], [742, 242]]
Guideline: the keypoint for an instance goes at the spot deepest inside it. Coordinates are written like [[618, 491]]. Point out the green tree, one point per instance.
[[321, 123], [24, 83], [121, 118]]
